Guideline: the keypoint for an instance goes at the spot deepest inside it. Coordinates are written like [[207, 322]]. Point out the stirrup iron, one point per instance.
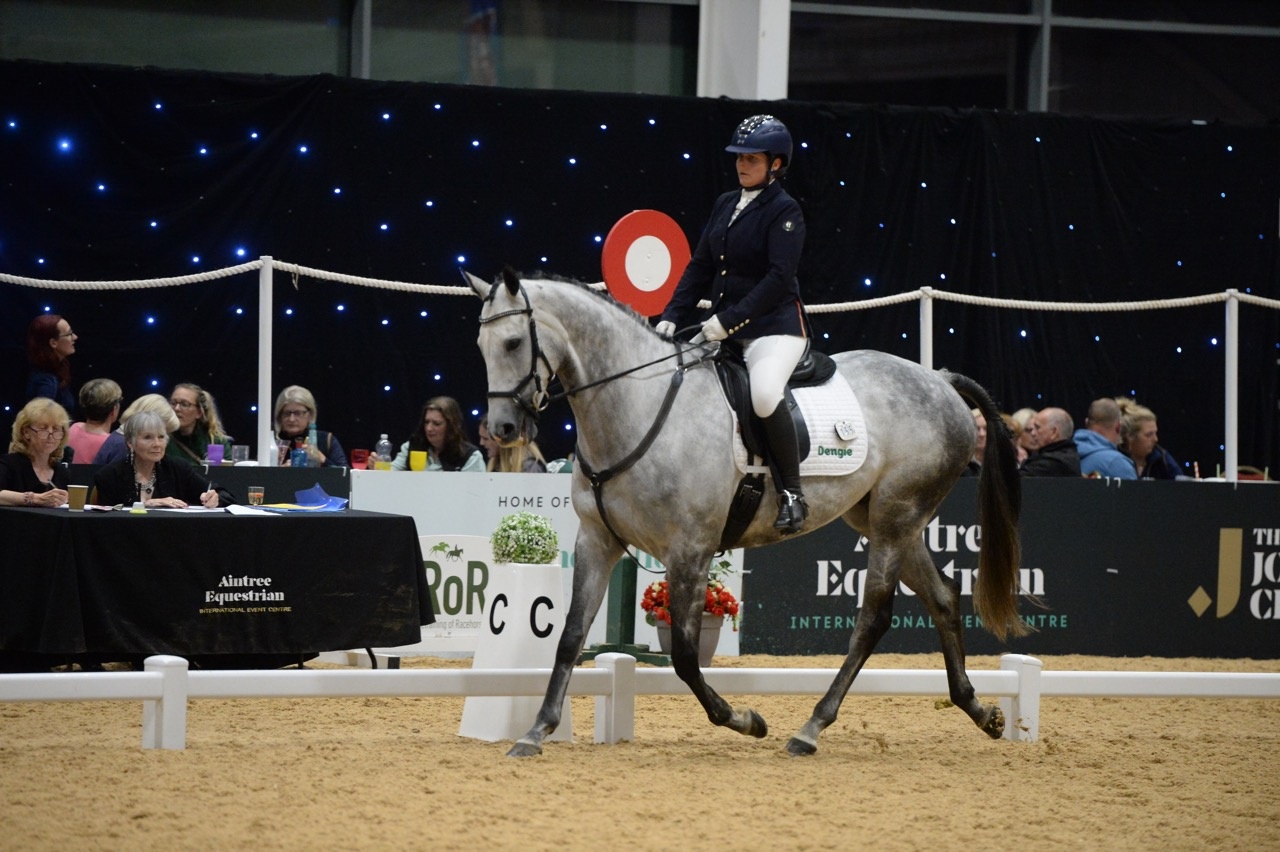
[[792, 510]]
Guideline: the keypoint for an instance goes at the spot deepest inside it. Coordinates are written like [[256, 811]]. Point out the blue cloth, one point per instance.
[[748, 269], [45, 384], [112, 449], [1100, 456]]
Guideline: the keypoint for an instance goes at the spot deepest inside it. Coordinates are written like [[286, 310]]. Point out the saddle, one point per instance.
[[814, 368]]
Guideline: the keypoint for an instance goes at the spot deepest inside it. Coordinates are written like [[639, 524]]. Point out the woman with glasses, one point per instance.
[[149, 477], [32, 473], [198, 425], [50, 342], [295, 412]]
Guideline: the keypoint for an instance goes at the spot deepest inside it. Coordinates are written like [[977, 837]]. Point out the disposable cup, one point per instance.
[[239, 453], [418, 460], [215, 453], [360, 459], [76, 495]]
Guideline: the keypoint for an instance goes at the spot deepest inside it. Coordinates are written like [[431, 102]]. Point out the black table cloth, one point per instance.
[[114, 583]]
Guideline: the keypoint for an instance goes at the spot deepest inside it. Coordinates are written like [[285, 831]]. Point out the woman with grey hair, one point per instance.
[[114, 448], [147, 476], [295, 412]]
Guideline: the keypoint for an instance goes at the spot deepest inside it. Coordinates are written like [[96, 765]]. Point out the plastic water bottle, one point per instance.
[[384, 451], [312, 439]]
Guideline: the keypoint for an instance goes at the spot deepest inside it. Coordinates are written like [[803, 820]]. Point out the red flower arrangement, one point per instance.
[[719, 601]]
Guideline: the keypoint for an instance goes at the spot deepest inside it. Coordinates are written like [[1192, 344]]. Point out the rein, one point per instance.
[[540, 399]]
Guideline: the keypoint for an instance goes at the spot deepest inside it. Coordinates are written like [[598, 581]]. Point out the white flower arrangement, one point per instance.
[[525, 537]]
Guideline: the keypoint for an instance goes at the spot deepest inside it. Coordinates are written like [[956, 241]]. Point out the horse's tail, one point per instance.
[[995, 595]]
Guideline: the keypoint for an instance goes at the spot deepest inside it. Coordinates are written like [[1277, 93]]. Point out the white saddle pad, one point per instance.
[[837, 433]]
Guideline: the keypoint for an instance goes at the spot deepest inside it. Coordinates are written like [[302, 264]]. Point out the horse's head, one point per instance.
[[518, 371]]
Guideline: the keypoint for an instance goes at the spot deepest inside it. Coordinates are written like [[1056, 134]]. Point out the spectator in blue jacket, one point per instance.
[[1097, 443]]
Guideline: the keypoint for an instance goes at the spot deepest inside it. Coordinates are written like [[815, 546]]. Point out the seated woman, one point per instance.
[[519, 458], [438, 431], [32, 473], [295, 412], [100, 406], [1139, 435], [149, 476], [114, 448], [198, 425]]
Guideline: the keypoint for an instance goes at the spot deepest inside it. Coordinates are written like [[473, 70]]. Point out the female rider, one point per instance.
[[745, 263]]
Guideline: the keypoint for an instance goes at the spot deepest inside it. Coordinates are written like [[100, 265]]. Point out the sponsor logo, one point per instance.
[[838, 452], [1254, 558]]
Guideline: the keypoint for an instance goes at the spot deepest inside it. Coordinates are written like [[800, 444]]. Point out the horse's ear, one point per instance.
[[512, 280], [480, 287]]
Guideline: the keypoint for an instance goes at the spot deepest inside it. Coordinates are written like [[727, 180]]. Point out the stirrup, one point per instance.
[[792, 510]]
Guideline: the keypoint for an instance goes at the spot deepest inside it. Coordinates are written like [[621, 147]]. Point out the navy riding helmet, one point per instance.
[[762, 134]]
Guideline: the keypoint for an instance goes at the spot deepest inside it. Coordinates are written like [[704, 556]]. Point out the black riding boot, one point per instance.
[[781, 432]]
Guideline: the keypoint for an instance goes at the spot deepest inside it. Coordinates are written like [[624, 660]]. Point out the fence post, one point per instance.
[[266, 426], [1231, 428], [616, 712], [1022, 711], [926, 327], [164, 722]]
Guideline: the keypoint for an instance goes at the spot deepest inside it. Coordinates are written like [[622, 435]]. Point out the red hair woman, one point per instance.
[[50, 342]]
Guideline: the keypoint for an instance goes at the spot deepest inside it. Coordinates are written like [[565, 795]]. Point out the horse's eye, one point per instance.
[[512, 344]]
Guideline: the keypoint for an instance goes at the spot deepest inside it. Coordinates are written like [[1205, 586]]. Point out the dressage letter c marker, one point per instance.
[[498, 627], [540, 601]]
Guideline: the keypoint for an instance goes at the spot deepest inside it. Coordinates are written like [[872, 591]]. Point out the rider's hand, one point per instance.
[[666, 328], [713, 330]]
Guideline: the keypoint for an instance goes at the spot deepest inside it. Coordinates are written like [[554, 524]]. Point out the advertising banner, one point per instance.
[[1143, 568]]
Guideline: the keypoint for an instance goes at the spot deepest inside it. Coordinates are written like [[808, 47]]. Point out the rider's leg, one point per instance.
[[770, 361]]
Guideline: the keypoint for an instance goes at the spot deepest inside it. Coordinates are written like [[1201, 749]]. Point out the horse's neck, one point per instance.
[[602, 343]]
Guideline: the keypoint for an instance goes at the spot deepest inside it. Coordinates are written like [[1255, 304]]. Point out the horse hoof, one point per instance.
[[525, 749], [797, 747], [994, 724], [758, 727]]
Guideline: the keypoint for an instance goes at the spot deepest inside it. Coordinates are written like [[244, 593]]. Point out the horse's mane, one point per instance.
[[604, 295]]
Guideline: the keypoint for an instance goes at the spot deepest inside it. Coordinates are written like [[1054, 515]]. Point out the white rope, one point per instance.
[[433, 289], [835, 307], [139, 284]]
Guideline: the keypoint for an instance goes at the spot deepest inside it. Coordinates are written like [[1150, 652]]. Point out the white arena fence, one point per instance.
[[165, 687], [926, 296]]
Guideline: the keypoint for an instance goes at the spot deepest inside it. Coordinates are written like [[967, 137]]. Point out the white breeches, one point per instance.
[[770, 362]]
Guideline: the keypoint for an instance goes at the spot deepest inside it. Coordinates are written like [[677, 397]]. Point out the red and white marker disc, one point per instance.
[[644, 256]]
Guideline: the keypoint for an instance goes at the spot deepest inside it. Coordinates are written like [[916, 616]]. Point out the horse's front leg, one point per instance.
[[688, 594], [594, 556]]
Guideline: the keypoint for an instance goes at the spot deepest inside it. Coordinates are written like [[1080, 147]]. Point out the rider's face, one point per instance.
[[753, 169]]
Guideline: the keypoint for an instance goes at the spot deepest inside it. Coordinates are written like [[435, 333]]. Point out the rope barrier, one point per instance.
[[298, 270], [138, 284]]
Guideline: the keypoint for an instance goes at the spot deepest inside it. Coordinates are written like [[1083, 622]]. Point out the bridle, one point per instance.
[[541, 397]]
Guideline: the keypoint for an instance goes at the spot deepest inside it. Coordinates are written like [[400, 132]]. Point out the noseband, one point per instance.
[[539, 399]]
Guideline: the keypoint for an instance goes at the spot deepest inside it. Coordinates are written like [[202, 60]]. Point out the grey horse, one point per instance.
[[655, 471]]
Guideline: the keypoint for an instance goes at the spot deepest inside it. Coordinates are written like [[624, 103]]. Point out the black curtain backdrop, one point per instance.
[[113, 173]]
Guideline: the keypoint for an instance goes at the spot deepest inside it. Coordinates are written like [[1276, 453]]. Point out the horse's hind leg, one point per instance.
[[594, 556], [873, 620], [941, 597]]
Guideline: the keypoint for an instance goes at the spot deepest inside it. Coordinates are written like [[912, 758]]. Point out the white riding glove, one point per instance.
[[713, 330], [666, 328]]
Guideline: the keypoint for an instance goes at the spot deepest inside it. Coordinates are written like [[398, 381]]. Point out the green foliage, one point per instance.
[[525, 537]]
